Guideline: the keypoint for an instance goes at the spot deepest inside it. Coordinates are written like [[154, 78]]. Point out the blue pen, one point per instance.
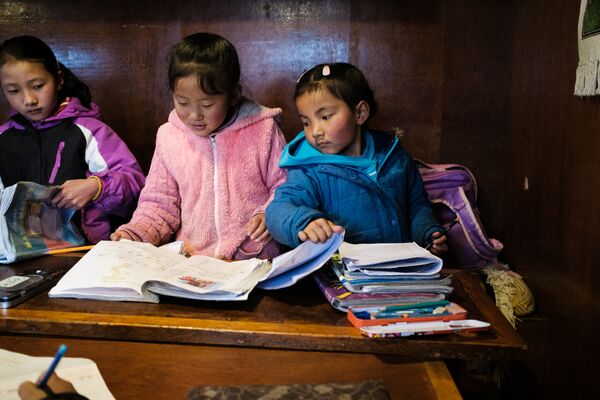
[[44, 381]]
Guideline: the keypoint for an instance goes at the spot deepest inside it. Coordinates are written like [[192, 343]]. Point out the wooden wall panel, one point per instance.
[[400, 46], [475, 98], [551, 230], [119, 49]]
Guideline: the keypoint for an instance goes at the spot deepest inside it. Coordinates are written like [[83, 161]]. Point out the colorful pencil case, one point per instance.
[[385, 315]]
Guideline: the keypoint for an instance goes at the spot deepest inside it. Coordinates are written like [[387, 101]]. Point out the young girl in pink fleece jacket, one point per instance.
[[214, 169]]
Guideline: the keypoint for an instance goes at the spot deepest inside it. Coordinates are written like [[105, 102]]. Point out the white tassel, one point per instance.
[[586, 82]]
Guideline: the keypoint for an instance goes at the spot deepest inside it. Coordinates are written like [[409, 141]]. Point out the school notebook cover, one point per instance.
[[30, 226]]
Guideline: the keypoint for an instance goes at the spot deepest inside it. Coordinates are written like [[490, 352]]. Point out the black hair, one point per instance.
[[212, 58], [32, 49], [344, 81]]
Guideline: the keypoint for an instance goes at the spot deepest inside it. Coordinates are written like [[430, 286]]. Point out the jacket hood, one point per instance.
[[299, 152], [74, 109], [246, 114]]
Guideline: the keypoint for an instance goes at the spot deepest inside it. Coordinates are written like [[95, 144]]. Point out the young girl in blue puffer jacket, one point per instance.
[[342, 175]]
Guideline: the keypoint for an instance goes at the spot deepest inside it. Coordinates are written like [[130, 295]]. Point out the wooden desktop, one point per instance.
[[286, 336]]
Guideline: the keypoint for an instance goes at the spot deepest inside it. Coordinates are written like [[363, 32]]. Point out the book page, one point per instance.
[[389, 255], [289, 267], [83, 373], [203, 274], [110, 266]]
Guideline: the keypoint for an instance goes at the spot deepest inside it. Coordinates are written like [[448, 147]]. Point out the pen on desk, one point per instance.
[[71, 249], [44, 381], [408, 314], [446, 229], [414, 306]]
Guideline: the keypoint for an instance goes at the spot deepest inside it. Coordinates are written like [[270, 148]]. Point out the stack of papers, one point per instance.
[[382, 273], [342, 299], [390, 267]]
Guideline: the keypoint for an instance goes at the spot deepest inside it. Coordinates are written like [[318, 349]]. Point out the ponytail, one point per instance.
[[73, 87]]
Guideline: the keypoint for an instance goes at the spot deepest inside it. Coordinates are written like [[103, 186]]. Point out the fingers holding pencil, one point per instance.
[[44, 379], [29, 391]]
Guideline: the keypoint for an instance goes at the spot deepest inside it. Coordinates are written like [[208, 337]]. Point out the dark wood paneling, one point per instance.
[[475, 96], [551, 230], [120, 50], [431, 64]]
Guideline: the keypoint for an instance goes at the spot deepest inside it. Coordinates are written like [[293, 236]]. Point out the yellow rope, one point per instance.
[[513, 297]]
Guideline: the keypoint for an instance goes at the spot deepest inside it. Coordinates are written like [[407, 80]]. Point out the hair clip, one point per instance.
[[326, 70], [301, 75]]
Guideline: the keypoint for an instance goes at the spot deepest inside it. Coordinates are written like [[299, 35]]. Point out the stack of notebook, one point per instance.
[[393, 289], [382, 273]]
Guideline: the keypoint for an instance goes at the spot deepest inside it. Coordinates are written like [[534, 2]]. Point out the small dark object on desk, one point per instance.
[[21, 286]]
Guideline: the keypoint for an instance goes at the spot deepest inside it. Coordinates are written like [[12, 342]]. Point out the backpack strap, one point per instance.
[[472, 229]]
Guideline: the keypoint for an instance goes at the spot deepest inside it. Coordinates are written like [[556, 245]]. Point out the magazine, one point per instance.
[[30, 226]]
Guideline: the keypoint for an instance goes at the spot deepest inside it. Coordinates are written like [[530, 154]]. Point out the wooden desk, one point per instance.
[[293, 318], [290, 332], [138, 370]]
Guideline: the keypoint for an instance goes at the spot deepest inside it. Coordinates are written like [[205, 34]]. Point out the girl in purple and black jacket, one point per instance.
[[55, 137]]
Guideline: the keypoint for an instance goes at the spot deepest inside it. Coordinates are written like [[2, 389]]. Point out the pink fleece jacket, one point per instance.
[[206, 189]]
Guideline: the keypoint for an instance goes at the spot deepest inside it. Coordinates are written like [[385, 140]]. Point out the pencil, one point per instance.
[[44, 381], [70, 249]]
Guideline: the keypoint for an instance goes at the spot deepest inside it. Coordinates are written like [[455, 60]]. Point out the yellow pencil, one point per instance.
[[70, 249]]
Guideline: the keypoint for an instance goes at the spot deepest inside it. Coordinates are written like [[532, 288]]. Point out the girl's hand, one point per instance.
[[257, 229], [29, 391], [75, 193], [438, 244], [187, 249], [118, 235], [319, 230]]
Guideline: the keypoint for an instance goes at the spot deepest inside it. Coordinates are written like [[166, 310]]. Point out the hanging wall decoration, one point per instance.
[[588, 35]]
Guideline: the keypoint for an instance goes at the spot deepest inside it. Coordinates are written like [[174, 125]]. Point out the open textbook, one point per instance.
[[83, 373], [136, 271], [30, 226]]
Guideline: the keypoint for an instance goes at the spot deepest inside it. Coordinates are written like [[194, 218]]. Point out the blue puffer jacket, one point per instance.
[[391, 206]]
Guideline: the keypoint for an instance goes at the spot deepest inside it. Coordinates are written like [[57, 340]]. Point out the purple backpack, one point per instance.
[[452, 191]]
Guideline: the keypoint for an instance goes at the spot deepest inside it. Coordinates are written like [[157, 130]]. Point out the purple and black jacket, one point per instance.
[[74, 144]]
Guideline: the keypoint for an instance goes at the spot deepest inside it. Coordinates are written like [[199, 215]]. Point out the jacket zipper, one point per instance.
[[57, 162], [213, 144]]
